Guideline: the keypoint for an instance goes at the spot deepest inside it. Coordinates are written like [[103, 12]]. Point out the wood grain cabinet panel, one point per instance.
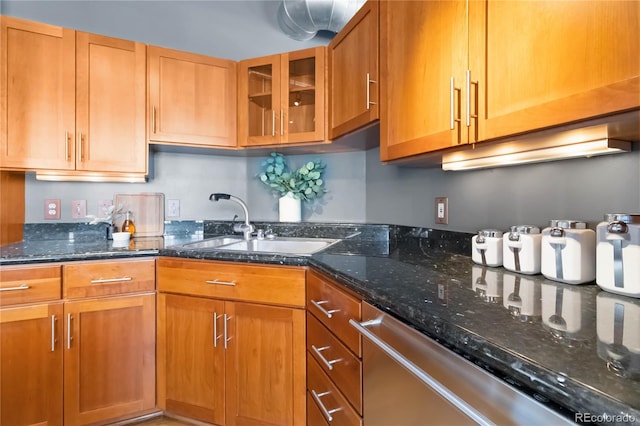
[[71, 101], [340, 364], [328, 399], [281, 285], [466, 71], [228, 358], [353, 57], [110, 104], [100, 278], [109, 359], [192, 99], [191, 357], [334, 308], [31, 365], [37, 95], [29, 284], [575, 61], [423, 51]]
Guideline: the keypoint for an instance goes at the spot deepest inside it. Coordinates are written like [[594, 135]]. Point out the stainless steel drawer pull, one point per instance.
[[220, 282], [69, 338], [328, 313], [20, 287], [418, 372], [326, 362], [215, 329], [369, 101], [327, 413], [226, 338], [53, 333], [110, 280]]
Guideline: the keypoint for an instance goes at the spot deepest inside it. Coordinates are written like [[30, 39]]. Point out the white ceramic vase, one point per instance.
[[290, 208]]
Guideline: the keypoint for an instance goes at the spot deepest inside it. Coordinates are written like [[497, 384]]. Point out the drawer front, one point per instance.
[[334, 308], [328, 399], [22, 284], [280, 285], [104, 278], [338, 362], [314, 415]]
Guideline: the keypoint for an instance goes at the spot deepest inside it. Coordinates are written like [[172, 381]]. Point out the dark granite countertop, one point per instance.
[[561, 343]]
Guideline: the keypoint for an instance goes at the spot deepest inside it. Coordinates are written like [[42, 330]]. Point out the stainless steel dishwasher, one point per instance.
[[411, 380]]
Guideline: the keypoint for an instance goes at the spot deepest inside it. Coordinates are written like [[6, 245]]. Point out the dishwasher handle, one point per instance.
[[425, 378]]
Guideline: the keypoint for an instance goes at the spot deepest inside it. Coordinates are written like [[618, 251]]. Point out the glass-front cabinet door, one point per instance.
[[259, 101], [304, 111], [281, 98]]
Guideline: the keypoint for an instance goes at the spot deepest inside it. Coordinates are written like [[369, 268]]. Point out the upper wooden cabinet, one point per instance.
[[577, 60], [423, 49], [463, 72], [281, 98], [192, 99], [71, 100], [353, 72], [110, 100], [37, 91]]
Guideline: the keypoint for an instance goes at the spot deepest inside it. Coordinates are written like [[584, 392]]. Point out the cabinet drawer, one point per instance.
[[103, 278], [281, 285], [29, 284], [327, 398], [340, 364], [334, 308]]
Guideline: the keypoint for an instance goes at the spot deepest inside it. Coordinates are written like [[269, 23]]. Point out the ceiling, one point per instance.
[[232, 29]]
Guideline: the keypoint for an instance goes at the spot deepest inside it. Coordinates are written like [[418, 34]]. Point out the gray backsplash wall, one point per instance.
[[582, 189], [360, 187]]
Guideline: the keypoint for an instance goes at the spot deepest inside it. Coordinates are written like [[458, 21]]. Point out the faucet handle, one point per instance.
[[260, 234], [269, 234]]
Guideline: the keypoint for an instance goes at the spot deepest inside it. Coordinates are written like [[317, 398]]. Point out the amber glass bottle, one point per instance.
[[128, 225]]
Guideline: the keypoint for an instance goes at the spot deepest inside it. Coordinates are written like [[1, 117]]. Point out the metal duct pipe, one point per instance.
[[302, 19]]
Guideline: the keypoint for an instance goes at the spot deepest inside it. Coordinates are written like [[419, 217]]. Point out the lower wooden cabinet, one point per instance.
[[334, 350], [77, 362], [109, 359], [230, 363], [230, 352], [31, 358]]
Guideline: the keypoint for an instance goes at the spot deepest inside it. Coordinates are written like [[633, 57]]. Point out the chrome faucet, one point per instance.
[[246, 228]]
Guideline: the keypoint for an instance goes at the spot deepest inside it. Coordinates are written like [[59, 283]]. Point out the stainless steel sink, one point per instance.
[[278, 245], [213, 242], [295, 246]]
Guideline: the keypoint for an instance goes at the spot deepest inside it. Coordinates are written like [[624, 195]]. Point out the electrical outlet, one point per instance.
[[78, 209], [51, 209], [173, 208], [442, 210]]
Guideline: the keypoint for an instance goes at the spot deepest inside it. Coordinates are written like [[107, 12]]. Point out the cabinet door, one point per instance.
[[109, 358], [265, 365], [302, 114], [353, 73], [423, 52], [192, 99], [259, 101], [574, 61], [37, 92], [31, 365], [191, 357], [110, 108]]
